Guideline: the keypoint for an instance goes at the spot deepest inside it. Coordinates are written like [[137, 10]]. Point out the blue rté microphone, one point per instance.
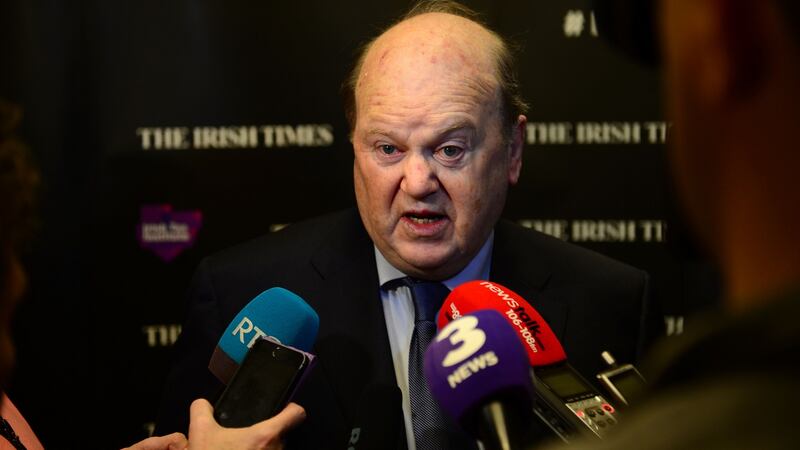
[[478, 371], [277, 313]]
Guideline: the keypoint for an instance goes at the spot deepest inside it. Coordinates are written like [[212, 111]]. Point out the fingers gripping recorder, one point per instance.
[[564, 400]]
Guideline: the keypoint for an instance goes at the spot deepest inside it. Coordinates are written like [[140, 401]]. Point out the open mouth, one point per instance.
[[423, 217]]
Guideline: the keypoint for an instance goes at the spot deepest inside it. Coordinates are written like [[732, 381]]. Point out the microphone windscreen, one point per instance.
[[276, 312], [473, 360], [541, 344]]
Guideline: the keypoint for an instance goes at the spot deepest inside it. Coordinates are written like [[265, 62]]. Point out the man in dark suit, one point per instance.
[[437, 128]]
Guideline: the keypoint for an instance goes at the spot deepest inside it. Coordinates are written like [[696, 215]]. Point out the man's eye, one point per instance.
[[451, 151], [387, 149]]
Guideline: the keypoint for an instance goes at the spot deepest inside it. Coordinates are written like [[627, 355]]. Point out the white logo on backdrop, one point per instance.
[[238, 136], [161, 335], [597, 133], [575, 23], [622, 231]]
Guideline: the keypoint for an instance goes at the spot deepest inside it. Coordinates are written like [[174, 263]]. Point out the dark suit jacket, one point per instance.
[[591, 302]]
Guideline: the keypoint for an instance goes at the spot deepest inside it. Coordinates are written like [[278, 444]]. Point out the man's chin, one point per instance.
[[430, 263]]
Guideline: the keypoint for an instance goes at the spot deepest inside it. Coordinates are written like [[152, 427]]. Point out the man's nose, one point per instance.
[[419, 176]]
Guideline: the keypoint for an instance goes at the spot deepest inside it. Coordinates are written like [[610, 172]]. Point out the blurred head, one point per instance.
[[732, 78], [437, 139], [18, 182]]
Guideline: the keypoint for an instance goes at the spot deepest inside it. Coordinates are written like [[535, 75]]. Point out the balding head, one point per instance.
[[450, 27], [419, 54]]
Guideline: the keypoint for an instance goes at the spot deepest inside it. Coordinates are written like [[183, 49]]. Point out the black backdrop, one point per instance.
[[169, 130]]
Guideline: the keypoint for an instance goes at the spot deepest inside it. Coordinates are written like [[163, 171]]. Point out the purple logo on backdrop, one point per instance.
[[165, 232]]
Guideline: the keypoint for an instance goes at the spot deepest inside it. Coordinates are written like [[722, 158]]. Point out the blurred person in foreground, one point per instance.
[[19, 180], [18, 184], [732, 78]]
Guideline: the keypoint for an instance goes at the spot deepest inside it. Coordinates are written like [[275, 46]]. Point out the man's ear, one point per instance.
[[515, 146]]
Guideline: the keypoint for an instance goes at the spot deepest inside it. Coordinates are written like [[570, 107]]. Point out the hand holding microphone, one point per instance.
[[174, 441], [206, 434], [280, 327]]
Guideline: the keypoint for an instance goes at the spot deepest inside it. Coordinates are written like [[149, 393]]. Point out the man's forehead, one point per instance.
[[435, 39]]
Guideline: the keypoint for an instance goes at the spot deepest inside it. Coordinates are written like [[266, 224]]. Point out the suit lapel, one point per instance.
[[353, 344], [526, 274]]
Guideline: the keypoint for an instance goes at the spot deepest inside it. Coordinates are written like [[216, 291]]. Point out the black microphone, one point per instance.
[[379, 420], [622, 381]]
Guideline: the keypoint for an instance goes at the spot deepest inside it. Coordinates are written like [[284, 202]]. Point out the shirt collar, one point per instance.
[[477, 269]]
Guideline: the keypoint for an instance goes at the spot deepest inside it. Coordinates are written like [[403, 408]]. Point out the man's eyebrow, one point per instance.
[[445, 130], [457, 126], [381, 131]]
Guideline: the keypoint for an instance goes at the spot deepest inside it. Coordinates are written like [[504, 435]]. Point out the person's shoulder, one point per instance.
[[560, 257], [728, 411], [297, 241]]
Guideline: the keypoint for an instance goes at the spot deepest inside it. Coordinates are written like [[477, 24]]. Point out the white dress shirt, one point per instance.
[[398, 309]]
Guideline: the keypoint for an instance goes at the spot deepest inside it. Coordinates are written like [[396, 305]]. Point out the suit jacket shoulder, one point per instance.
[[329, 262], [592, 302], [287, 258]]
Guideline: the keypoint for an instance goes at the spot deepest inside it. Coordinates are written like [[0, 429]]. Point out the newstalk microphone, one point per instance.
[[564, 401]]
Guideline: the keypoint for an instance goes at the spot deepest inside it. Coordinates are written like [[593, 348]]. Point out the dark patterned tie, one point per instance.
[[430, 426]]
